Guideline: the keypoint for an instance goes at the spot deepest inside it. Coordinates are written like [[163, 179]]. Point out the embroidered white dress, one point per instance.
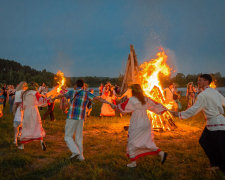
[[32, 126], [140, 139], [106, 109]]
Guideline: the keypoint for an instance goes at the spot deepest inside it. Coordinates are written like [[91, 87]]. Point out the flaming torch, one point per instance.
[[60, 79], [150, 83]]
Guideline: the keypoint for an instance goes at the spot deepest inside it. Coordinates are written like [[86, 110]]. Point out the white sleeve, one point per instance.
[[155, 107], [127, 106], [222, 99], [196, 108]]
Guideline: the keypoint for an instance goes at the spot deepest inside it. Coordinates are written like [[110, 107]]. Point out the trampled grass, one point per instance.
[[105, 152]]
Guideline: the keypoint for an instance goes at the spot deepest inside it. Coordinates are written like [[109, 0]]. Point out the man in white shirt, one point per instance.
[[212, 140]]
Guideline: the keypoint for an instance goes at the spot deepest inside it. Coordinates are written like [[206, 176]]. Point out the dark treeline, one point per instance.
[[13, 72]]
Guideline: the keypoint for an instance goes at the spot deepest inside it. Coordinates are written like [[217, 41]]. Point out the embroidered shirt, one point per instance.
[[211, 102], [78, 103]]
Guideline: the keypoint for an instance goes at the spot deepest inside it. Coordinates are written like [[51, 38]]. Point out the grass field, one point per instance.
[[105, 152]]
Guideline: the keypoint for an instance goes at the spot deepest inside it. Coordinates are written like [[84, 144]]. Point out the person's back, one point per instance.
[[78, 99]]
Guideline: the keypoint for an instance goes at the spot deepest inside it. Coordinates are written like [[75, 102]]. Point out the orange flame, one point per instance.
[[60, 80], [213, 84], [149, 76], [150, 83]]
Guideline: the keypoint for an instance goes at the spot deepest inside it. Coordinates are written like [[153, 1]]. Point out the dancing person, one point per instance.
[[190, 94], [50, 110], [106, 109], [177, 96], [11, 94], [100, 89], [171, 96], [79, 99], [212, 140], [4, 88], [2, 98], [89, 105], [32, 126], [63, 104], [43, 90], [140, 139], [18, 110]]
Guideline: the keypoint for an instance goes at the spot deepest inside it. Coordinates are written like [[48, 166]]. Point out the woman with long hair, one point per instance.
[[32, 126], [190, 94], [140, 139], [108, 95]]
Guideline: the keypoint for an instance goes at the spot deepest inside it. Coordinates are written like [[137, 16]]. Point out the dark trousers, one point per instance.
[[213, 143], [50, 111]]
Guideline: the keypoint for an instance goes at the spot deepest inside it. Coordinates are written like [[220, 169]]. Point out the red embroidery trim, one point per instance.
[[37, 95], [123, 105], [214, 125], [144, 154], [34, 139]]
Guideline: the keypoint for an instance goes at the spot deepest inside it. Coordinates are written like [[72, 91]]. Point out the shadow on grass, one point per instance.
[[49, 170]]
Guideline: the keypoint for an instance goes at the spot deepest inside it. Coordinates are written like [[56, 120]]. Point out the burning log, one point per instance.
[[161, 122]]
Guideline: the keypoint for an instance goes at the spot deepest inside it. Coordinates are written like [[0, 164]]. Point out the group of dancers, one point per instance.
[[140, 139]]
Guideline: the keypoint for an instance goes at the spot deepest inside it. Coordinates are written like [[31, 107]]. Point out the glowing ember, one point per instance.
[[213, 84], [60, 80], [149, 80]]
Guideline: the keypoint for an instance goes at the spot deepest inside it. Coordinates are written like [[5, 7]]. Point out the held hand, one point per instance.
[[113, 106], [174, 113]]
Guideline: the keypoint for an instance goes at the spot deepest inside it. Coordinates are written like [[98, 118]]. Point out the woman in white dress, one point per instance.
[[17, 109], [108, 95], [140, 139], [32, 126]]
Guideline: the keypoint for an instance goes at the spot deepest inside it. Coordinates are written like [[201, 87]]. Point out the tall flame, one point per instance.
[[149, 74], [150, 83], [213, 84]]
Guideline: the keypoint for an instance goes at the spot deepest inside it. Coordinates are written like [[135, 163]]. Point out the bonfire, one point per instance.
[[213, 84], [149, 80]]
